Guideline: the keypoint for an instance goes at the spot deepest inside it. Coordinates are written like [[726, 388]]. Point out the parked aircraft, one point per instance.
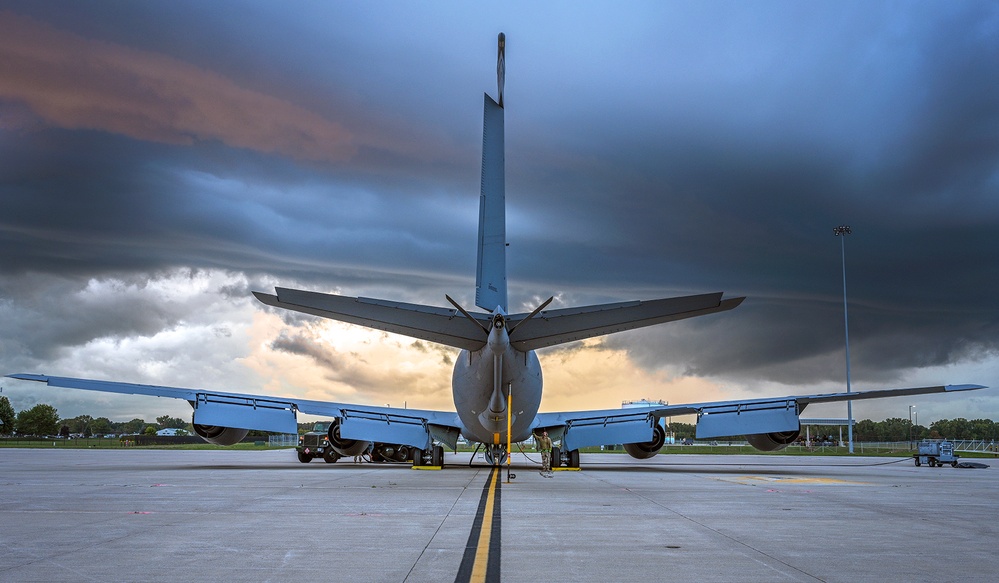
[[497, 380]]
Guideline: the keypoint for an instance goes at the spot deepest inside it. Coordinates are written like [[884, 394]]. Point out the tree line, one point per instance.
[[44, 420]]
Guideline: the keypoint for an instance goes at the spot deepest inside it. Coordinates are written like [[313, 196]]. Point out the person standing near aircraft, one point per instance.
[[545, 447]]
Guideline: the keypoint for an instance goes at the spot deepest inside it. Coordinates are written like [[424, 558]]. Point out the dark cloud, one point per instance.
[[667, 149]]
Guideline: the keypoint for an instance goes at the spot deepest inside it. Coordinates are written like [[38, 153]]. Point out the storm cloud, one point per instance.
[[159, 161]]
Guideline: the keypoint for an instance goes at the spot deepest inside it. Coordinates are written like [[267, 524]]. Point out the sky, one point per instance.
[[161, 160]]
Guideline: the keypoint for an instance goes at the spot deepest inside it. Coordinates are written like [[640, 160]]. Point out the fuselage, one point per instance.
[[484, 380]]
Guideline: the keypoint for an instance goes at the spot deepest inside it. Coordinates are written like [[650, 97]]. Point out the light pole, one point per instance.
[[911, 407], [844, 230]]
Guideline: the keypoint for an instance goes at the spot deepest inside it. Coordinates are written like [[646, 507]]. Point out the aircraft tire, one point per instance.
[[573, 459], [417, 457], [556, 457], [438, 456]]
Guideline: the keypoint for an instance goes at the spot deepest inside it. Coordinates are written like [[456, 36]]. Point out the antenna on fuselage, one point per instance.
[[501, 65], [490, 273]]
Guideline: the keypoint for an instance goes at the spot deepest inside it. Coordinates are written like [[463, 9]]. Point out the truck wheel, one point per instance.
[[304, 457], [953, 464], [917, 462], [330, 456]]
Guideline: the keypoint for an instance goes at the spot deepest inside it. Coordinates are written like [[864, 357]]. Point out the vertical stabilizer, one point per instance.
[[490, 276]]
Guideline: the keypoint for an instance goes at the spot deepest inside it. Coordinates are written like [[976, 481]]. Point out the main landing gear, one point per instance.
[[435, 456], [569, 458]]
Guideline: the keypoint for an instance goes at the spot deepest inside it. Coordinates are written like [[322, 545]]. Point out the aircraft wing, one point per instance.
[[441, 325], [279, 414], [714, 419], [553, 327]]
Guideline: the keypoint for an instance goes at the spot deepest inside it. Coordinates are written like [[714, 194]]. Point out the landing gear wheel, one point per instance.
[[417, 457], [304, 457], [437, 456], [573, 458], [330, 455], [556, 457]]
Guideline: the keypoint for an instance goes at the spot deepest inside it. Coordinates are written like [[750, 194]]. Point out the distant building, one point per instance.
[[171, 431], [642, 403]]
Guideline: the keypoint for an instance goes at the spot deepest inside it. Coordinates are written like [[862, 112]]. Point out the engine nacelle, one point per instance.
[[220, 435], [773, 441], [644, 451], [345, 447]]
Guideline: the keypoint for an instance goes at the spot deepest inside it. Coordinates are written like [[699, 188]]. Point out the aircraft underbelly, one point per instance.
[[472, 386]]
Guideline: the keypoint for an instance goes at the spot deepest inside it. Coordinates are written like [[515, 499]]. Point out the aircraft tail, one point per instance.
[[490, 274]]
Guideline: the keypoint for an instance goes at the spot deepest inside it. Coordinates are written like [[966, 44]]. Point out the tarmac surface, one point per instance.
[[144, 515]]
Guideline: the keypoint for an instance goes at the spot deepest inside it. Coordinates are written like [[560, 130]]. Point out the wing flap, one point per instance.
[[554, 327], [757, 417], [441, 325], [244, 413], [629, 427], [396, 427]]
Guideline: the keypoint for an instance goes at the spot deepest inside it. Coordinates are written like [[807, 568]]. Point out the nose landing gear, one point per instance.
[[495, 455]]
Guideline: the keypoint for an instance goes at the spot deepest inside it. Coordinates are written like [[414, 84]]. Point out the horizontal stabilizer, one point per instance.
[[553, 327], [441, 325]]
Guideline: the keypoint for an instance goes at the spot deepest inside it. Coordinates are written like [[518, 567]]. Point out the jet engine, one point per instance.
[[648, 449], [773, 441], [345, 447], [220, 435]]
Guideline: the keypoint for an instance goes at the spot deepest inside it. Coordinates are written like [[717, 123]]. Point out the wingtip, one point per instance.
[[28, 377], [950, 388], [269, 299]]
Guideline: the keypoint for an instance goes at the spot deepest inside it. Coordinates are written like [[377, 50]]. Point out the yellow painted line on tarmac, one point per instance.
[[565, 469], [427, 467], [482, 552], [481, 560]]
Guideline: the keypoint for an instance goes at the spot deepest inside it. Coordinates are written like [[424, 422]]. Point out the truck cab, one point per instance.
[[315, 444]]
